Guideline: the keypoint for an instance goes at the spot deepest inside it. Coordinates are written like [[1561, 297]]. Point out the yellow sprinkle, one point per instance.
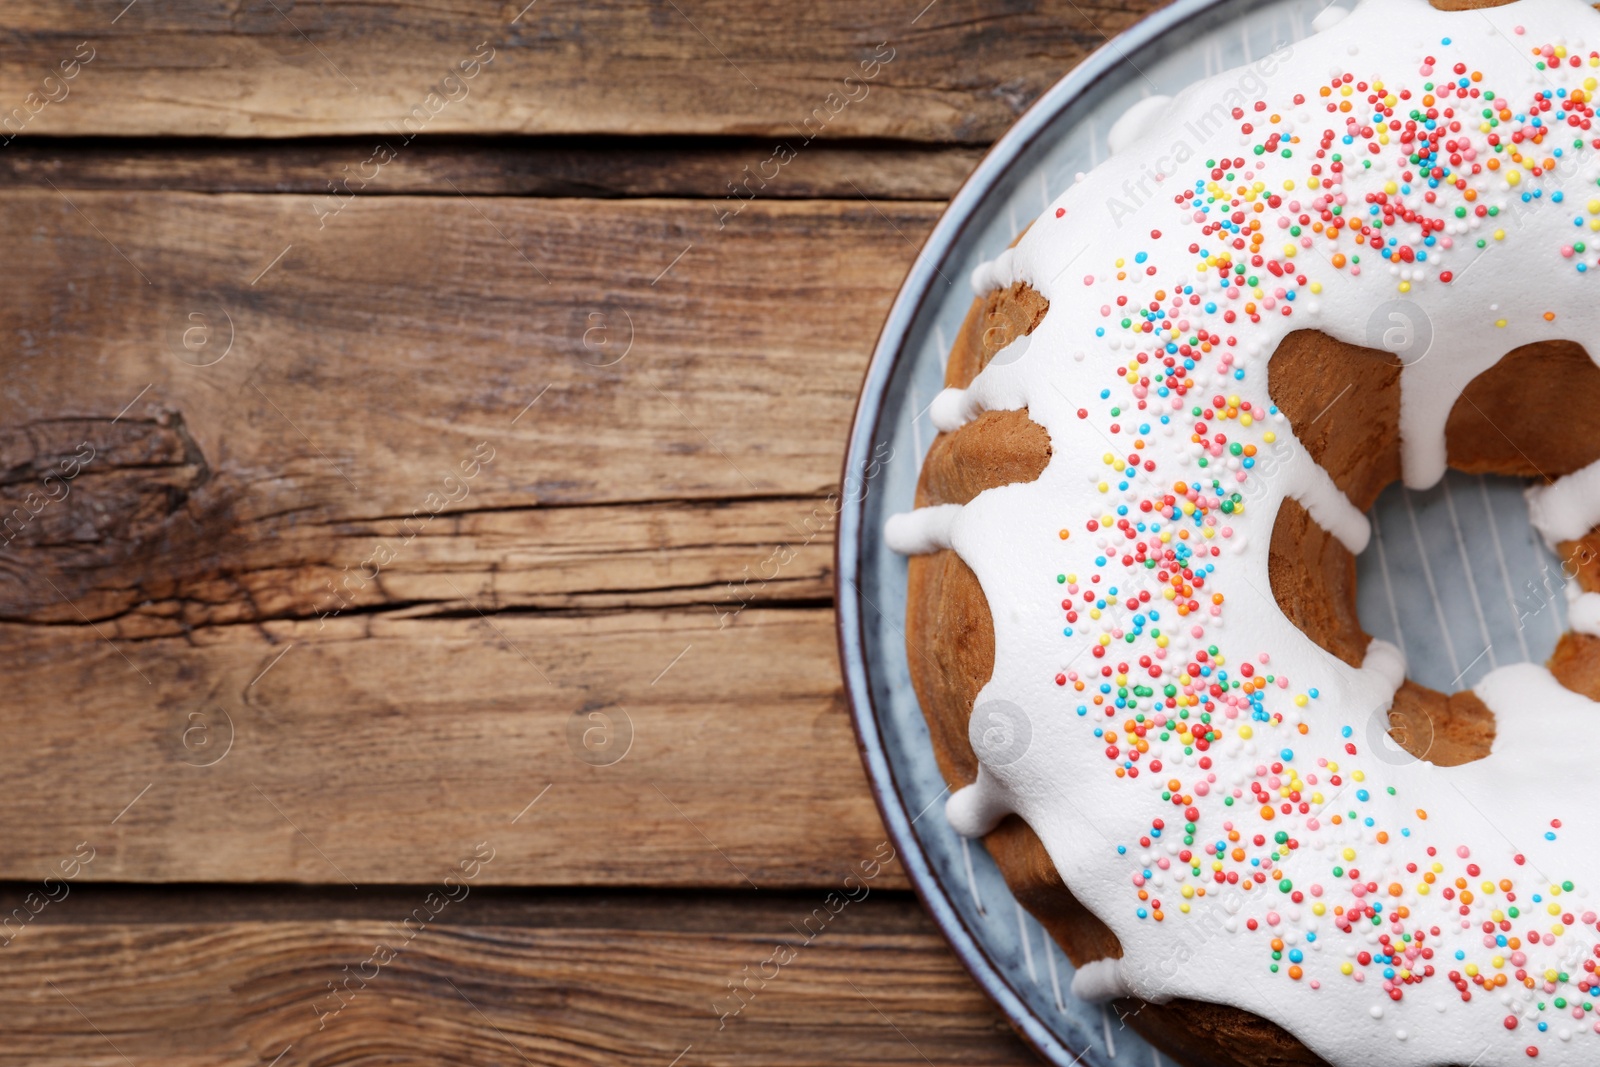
[[1246, 733]]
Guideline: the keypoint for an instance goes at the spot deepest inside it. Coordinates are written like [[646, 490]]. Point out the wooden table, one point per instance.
[[415, 424]]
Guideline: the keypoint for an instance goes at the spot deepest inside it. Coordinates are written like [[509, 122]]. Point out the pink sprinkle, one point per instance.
[[1463, 851], [1088, 279], [1520, 30], [1273, 918], [1318, 985]]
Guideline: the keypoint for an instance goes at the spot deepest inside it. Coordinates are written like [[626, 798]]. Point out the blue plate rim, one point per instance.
[[848, 549]]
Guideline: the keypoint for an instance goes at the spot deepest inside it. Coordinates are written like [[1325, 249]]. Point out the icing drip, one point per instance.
[[995, 274], [949, 410], [1567, 508], [1330, 508], [1583, 611], [1100, 981], [1212, 784], [1386, 662], [922, 531], [976, 809]]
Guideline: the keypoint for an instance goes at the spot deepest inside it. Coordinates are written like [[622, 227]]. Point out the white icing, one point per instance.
[[1583, 611], [1329, 17], [949, 410], [976, 809], [1330, 508], [1046, 761], [1137, 122], [1100, 981], [994, 274], [1387, 662], [1568, 508], [922, 531]]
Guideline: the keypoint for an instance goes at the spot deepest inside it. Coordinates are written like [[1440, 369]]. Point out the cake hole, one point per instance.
[[1459, 580]]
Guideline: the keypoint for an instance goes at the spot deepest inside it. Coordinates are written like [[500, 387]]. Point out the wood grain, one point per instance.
[[570, 352], [493, 166], [375, 750], [308, 497], [877, 986], [962, 70]]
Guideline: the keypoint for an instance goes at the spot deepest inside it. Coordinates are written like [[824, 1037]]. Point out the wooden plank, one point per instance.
[[877, 985], [405, 478], [951, 71], [640, 748], [405, 330], [506, 166], [567, 352]]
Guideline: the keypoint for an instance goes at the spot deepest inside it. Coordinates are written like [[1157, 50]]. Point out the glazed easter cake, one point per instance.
[[1131, 620]]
